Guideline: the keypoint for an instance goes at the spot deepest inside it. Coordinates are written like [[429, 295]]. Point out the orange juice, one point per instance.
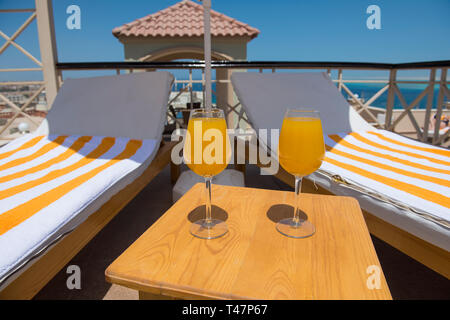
[[301, 148], [206, 149]]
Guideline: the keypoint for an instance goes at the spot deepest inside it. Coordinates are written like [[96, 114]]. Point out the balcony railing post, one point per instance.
[[203, 88], [340, 80], [60, 81], [224, 95], [430, 96], [440, 104], [390, 100], [191, 88], [47, 43]]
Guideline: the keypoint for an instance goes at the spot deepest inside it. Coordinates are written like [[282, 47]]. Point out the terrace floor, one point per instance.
[[407, 279]]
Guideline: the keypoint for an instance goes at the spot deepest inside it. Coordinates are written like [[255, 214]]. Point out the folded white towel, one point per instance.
[[45, 181]]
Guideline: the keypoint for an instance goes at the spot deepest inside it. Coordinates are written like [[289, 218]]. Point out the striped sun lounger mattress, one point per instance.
[[388, 171], [51, 184]]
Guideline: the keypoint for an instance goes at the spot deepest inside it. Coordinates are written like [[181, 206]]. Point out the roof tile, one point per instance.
[[184, 19]]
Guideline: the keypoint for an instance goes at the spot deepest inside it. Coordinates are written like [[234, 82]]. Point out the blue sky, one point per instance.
[[320, 30]]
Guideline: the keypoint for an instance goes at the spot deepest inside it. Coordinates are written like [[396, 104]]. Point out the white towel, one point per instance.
[[45, 181], [410, 172]]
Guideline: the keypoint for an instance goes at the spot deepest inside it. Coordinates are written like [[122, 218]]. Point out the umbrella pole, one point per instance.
[[207, 45]]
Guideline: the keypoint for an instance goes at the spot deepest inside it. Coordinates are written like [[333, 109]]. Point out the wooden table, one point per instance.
[[253, 260]]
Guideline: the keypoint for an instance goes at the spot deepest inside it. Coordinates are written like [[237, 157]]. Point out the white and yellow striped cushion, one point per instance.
[[46, 181], [401, 169]]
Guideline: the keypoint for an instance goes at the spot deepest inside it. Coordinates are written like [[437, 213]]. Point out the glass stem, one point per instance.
[[208, 199], [298, 189]]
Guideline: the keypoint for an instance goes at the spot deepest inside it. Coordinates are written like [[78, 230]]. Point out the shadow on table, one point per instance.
[[200, 213], [278, 212]]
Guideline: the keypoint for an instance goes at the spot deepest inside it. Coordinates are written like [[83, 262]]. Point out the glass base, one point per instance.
[[301, 229], [208, 230]]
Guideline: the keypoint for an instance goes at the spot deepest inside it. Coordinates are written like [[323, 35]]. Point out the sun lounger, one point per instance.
[[99, 146], [401, 184]]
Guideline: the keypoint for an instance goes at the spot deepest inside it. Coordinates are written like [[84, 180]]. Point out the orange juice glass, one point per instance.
[[207, 153], [301, 150]]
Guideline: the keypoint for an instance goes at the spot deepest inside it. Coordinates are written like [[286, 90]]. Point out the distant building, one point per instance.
[[177, 33]]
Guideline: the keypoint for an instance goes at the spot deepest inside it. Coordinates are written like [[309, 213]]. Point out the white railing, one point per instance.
[[392, 117], [11, 110]]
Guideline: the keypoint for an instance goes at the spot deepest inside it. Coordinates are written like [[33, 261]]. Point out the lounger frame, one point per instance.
[[422, 251], [32, 280], [318, 92]]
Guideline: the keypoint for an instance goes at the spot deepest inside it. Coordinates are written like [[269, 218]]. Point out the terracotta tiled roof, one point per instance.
[[184, 19]]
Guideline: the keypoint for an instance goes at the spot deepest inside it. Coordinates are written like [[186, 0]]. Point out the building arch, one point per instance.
[[184, 52]]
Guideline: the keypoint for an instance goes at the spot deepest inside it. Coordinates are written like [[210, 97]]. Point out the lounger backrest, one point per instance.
[[131, 106], [265, 98]]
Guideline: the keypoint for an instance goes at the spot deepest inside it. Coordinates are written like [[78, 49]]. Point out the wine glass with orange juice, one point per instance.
[[301, 150], [207, 153]]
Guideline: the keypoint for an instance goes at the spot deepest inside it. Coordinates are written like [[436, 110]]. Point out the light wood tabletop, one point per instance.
[[253, 260]]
